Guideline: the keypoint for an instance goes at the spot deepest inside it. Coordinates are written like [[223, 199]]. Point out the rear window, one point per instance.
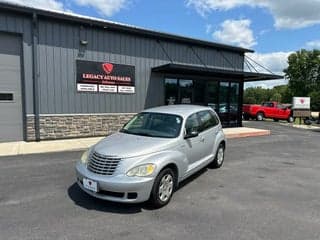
[[207, 120]]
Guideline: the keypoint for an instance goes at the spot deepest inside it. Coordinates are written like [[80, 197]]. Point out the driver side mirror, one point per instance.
[[191, 134]]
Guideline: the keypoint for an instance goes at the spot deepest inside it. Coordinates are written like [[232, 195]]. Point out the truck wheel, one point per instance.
[[291, 119], [260, 116], [163, 188]]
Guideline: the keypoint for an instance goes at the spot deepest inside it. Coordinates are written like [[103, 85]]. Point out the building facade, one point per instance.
[[64, 75]]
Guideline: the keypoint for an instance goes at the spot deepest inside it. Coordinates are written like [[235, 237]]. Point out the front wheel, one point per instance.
[[163, 188], [219, 158]]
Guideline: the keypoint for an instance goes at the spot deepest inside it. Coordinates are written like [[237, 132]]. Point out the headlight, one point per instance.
[[142, 171], [84, 157]]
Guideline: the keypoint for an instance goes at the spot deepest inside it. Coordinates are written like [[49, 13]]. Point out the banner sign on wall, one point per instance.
[[105, 77]]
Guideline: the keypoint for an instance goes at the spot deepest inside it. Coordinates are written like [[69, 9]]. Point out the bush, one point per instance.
[[315, 100]]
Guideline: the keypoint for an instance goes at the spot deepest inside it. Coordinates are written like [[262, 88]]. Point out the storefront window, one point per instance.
[[221, 96], [199, 90], [224, 103], [171, 91], [234, 103], [213, 95], [186, 90]]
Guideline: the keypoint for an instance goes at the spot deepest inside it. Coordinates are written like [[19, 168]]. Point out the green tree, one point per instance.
[[303, 72], [284, 91], [315, 100], [276, 97]]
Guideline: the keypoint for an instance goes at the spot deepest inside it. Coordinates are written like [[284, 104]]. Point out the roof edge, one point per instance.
[[247, 76], [119, 26]]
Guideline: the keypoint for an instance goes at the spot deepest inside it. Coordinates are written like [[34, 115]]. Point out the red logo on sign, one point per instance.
[[107, 67], [302, 100]]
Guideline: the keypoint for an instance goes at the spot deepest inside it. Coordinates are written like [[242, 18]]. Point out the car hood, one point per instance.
[[125, 145]]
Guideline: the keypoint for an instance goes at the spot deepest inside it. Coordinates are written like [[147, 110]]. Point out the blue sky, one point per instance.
[[273, 28]]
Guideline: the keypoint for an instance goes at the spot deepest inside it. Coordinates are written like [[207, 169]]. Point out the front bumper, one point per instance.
[[119, 188]]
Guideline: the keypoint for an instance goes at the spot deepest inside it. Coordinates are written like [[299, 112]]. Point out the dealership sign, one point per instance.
[[301, 103], [105, 77]]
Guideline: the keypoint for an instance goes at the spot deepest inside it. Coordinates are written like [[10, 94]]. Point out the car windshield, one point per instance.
[[154, 125]]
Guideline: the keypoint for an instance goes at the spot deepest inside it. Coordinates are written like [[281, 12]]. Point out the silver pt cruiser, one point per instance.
[[152, 154]]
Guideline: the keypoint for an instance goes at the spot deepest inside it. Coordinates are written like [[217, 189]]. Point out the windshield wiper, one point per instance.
[[145, 134], [136, 133]]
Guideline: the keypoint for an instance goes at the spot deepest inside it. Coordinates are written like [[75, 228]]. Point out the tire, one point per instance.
[[276, 120], [163, 188], [219, 157], [260, 116], [290, 119]]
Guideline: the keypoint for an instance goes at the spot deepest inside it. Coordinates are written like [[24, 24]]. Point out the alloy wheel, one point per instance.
[[165, 187]]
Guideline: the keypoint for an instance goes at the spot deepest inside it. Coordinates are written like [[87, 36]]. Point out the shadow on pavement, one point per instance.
[[88, 202]]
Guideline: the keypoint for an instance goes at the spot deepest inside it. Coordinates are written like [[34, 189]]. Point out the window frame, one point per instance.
[[198, 120]]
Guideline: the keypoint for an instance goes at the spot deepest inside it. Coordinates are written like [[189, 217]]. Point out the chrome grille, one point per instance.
[[102, 164]]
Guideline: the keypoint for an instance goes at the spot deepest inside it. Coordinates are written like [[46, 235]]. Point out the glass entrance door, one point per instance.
[[222, 96]]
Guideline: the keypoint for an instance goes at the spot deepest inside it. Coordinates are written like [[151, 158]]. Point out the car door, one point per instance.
[[282, 112], [268, 109], [193, 147], [209, 130]]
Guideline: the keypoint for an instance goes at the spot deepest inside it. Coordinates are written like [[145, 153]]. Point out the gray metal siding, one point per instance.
[[59, 47]]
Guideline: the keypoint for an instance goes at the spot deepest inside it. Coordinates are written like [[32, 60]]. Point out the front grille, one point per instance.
[[102, 164]]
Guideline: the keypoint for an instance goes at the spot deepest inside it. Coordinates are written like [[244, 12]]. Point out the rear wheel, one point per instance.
[[291, 119], [163, 188], [260, 116], [219, 158]]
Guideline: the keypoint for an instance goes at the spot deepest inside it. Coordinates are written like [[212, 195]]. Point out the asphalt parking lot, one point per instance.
[[268, 188]]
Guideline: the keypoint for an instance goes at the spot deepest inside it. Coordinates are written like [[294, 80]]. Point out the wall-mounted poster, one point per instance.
[[105, 77]]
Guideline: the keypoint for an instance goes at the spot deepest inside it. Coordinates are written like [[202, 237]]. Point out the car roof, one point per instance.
[[183, 110]]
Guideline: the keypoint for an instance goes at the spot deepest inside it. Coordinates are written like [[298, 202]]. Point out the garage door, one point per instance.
[[11, 124]]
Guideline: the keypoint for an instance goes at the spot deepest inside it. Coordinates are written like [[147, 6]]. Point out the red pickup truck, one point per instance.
[[267, 110]]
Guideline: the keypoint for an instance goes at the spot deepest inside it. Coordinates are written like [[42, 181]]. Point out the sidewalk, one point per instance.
[[21, 148]]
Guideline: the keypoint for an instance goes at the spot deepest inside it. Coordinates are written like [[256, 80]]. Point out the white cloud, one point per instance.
[[275, 62], [313, 44], [236, 32], [104, 7], [208, 28], [287, 14], [44, 4]]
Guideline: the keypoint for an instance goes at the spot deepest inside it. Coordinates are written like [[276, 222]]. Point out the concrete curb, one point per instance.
[[22, 148], [245, 132]]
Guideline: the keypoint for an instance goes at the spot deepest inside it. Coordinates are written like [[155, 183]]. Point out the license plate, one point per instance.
[[90, 185]]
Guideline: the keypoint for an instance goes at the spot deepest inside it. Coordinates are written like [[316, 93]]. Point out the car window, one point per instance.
[[267, 104], [154, 125], [192, 124], [207, 120]]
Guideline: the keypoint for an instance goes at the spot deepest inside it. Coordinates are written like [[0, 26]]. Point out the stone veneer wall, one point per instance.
[[78, 125]]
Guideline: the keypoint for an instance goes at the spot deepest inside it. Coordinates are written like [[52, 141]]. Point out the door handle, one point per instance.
[[202, 139]]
